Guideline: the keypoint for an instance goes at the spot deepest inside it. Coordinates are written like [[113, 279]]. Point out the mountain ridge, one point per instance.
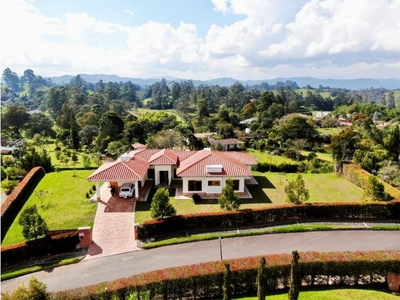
[[351, 84]]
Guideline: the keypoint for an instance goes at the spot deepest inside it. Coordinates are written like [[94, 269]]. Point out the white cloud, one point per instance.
[[221, 5], [320, 38], [129, 12]]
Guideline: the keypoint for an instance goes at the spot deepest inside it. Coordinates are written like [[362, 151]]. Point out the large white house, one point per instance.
[[203, 172]]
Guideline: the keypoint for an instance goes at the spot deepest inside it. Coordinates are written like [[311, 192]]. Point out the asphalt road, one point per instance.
[[109, 268]]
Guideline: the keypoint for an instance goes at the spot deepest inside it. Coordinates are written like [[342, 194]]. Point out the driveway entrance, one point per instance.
[[113, 230]]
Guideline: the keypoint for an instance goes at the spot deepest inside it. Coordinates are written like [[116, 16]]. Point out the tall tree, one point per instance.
[[374, 189], [229, 199], [227, 288], [261, 280], [160, 205], [295, 279], [39, 123], [11, 79], [111, 127], [13, 118], [56, 98], [32, 223], [343, 146]]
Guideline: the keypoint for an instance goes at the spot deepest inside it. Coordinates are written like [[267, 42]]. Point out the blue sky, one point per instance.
[[203, 39]]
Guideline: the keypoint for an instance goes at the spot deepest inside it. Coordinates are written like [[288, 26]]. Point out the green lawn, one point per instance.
[[336, 294], [266, 157], [322, 187], [322, 156], [64, 207]]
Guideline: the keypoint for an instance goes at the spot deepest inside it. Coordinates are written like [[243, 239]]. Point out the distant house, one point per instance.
[[203, 172], [322, 114], [227, 144], [138, 146], [204, 135]]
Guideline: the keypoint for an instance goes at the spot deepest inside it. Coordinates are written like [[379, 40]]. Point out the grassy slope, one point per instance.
[[339, 294], [65, 206]]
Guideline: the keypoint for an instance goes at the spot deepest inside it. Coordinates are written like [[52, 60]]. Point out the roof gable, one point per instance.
[[163, 157]]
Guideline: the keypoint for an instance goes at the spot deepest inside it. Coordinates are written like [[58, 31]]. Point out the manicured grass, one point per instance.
[[65, 205], [320, 155], [262, 156], [322, 187], [335, 294]]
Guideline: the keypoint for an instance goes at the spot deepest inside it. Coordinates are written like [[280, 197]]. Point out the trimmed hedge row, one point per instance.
[[359, 177], [196, 223], [205, 280], [16, 200], [49, 245], [283, 167]]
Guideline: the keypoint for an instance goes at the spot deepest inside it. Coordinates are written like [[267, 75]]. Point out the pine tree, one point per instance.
[[261, 280], [160, 206], [296, 191], [295, 280], [32, 223], [229, 199], [227, 289]]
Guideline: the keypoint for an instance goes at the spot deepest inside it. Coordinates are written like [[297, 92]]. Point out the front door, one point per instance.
[[164, 178]]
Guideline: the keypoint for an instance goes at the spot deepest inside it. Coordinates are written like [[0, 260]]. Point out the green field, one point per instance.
[[65, 205], [330, 131], [261, 157], [337, 294], [322, 187]]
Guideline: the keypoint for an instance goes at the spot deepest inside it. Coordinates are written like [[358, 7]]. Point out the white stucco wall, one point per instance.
[[210, 189], [159, 168]]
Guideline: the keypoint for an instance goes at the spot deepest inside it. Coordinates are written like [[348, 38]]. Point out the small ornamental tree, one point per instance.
[[227, 289], [261, 280], [374, 189], [229, 200], [160, 206], [32, 223], [295, 279], [296, 191]]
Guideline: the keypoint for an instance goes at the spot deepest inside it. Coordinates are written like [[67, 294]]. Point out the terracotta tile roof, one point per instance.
[[139, 146], [243, 157], [196, 164], [164, 157], [191, 163], [134, 169]]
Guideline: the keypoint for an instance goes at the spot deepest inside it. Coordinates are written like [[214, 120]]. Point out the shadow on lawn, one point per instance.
[[264, 183]]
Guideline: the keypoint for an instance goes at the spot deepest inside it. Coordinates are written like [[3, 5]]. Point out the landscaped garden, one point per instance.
[[63, 206]]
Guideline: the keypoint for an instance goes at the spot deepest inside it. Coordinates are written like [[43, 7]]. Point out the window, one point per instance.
[[236, 185], [214, 183], [194, 185]]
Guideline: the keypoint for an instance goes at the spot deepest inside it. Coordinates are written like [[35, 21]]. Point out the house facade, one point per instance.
[[203, 172]]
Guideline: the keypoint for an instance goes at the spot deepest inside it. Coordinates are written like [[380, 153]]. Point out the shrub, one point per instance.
[[87, 195], [9, 185], [93, 187]]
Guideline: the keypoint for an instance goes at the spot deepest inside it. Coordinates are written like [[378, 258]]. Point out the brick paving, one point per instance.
[[113, 230]]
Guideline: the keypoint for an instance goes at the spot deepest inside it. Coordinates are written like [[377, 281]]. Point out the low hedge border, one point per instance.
[[16, 200], [369, 268], [49, 245], [208, 222]]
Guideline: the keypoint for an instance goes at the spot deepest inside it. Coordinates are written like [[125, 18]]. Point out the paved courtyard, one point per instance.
[[113, 230]]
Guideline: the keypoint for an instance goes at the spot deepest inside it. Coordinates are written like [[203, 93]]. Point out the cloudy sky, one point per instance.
[[203, 39]]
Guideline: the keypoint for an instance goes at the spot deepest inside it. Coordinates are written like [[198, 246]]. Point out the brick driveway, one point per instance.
[[113, 230]]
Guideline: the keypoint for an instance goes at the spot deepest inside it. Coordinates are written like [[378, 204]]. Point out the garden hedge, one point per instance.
[[202, 281], [359, 177], [277, 214], [16, 200], [49, 245]]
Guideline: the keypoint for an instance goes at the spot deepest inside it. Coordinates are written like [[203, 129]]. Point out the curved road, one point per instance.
[[109, 268]]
